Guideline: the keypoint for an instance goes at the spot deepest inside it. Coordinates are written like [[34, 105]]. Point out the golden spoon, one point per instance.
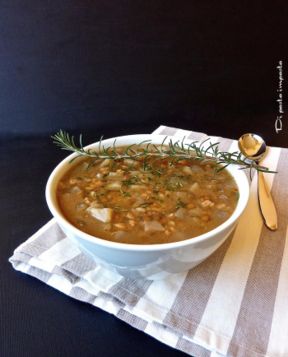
[[254, 148]]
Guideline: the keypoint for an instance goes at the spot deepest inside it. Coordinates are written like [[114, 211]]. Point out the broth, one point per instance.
[[146, 201]]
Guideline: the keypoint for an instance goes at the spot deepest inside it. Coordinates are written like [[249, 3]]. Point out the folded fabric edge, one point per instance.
[[65, 282], [67, 286], [112, 305], [21, 263]]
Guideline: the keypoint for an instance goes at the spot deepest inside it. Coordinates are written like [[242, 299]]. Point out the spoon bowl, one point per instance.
[[252, 146]]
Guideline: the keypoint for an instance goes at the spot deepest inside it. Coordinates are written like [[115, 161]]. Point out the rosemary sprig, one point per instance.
[[175, 151]]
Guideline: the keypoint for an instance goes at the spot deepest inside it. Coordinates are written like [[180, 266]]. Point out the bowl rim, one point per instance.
[[244, 190]]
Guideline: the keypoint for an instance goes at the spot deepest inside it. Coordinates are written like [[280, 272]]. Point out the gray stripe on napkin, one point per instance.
[[79, 265], [253, 325], [39, 274], [80, 294], [110, 298], [197, 136], [19, 257], [65, 274], [193, 135], [168, 131], [45, 241], [192, 349], [133, 275], [131, 319], [130, 291], [225, 144], [190, 303]]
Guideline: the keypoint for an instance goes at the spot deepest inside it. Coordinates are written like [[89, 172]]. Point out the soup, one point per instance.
[[146, 201]]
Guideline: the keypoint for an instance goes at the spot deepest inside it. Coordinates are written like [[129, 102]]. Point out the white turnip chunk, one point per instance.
[[153, 226], [194, 188], [115, 176], [181, 213], [130, 162], [75, 189], [102, 214], [114, 186], [105, 162], [137, 187], [187, 170]]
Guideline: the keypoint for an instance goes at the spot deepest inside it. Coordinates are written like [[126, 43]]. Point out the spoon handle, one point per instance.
[[266, 203]]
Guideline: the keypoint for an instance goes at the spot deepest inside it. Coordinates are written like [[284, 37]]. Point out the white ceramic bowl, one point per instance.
[[153, 261]]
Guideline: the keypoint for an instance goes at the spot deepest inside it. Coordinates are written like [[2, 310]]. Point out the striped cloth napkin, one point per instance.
[[232, 304]]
